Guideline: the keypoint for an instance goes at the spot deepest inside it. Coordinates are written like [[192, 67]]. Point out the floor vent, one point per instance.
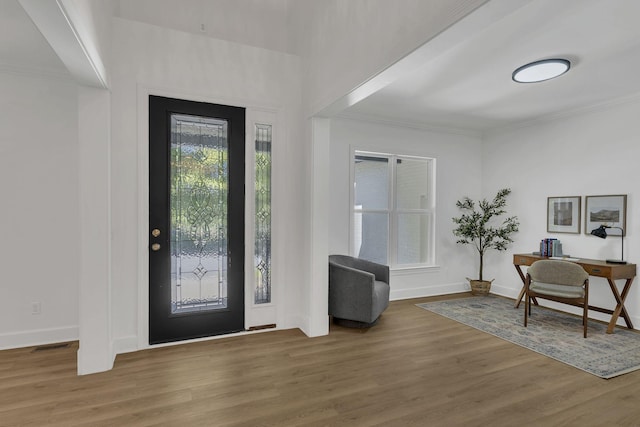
[[51, 347], [260, 327]]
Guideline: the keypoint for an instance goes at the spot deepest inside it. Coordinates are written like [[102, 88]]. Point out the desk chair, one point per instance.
[[559, 281]]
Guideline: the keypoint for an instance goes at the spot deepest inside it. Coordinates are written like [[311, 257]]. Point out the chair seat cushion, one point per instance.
[[562, 291]]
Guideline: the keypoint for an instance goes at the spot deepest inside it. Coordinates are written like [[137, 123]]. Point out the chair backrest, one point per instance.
[[345, 260], [557, 272], [380, 271]]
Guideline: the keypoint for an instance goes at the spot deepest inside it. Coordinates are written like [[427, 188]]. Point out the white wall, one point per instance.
[[154, 60], [458, 174], [593, 153], [39, 255], [260, 23], [344, 43]]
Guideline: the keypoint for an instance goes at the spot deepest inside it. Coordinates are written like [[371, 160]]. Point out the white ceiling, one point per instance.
[[469, 86], [22, 47]]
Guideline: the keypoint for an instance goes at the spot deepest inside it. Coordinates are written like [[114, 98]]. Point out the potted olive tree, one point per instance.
[[482, 228]]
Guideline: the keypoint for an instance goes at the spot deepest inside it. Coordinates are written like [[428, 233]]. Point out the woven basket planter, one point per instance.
[[480, 287]]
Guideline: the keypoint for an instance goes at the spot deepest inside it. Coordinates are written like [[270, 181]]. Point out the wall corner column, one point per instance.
[[94, 135], [319, 280]]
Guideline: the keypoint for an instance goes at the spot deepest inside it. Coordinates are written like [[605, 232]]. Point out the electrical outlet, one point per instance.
[[36, 308]]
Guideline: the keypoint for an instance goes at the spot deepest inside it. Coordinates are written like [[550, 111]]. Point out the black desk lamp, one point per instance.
[[602, 233]]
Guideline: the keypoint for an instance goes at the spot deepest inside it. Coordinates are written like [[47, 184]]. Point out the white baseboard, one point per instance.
[[429, 291], [125, 345], [303, 323], [504, 291], [38, 337]]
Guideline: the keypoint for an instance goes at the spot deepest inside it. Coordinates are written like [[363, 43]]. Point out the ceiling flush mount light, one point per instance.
[[540, 71]]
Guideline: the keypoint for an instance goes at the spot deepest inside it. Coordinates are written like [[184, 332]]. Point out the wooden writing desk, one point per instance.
[[597, 268]]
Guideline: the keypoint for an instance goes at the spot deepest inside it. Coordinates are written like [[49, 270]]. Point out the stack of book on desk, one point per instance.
[[551, 247]]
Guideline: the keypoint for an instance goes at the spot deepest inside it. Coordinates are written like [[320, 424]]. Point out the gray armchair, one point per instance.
[[358, 291]]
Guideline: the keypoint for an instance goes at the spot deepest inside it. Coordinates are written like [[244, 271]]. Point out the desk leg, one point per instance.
[[620, 306], [522, 291]]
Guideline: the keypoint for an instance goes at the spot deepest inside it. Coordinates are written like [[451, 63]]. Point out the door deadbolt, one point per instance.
[[155, 247], [155, 232]]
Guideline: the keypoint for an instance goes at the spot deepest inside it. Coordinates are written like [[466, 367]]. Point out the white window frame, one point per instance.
[[393, 211]]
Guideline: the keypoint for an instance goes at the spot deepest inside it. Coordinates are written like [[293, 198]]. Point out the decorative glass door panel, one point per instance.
[[196, 219], [262, 252], [199, 187]]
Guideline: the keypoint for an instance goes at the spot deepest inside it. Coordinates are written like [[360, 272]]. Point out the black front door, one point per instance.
[[196, 219]]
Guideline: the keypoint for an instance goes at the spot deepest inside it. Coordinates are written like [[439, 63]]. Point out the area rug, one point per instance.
[[551, 333]]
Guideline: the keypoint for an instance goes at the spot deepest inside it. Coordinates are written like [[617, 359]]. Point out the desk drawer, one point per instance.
[[525, 260], [597, 270]]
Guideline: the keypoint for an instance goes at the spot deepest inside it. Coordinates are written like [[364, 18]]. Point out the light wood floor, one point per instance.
[[413, 368]]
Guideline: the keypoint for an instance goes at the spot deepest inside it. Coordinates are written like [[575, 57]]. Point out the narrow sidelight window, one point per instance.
[[262, 254]]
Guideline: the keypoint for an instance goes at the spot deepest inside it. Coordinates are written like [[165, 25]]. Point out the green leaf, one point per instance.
[[473, 226]]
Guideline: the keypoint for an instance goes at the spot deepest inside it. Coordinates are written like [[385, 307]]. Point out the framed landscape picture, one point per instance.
[[606, 210], [563, 214]]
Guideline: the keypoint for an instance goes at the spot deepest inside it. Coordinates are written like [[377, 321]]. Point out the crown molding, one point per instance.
[[423, 126], [547, 118], [563, 115]]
